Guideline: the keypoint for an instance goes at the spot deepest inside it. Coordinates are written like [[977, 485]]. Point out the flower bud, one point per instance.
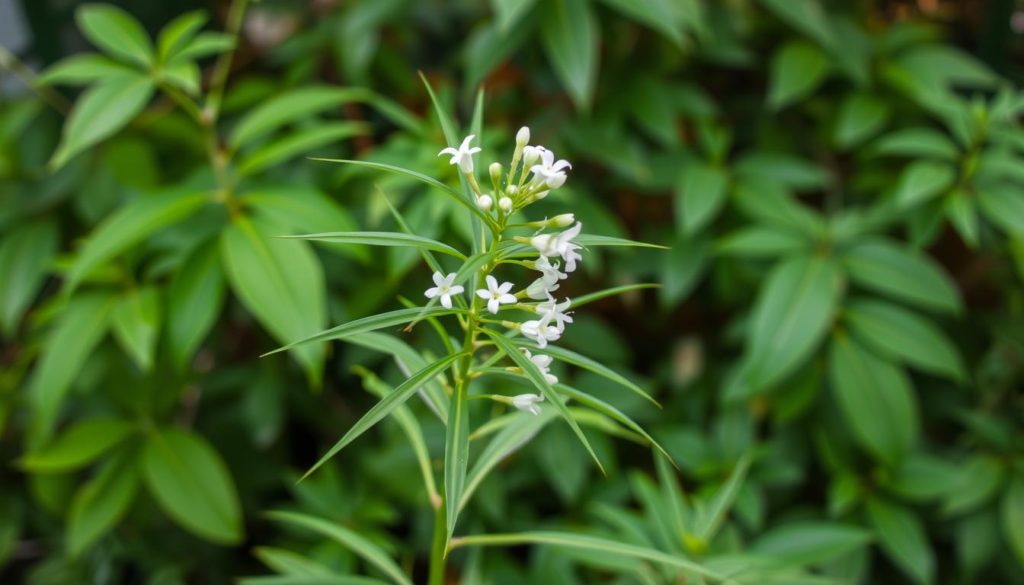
[[484, 202], [495, 170], [563, 220], [505, 204], [531, 154], [523, 137], [512, 190]]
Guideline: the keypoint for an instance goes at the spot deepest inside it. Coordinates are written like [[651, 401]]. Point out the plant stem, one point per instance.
[[438, 552], [222, 68]]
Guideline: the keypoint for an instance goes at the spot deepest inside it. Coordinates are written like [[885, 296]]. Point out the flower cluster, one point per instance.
[[533, 173]]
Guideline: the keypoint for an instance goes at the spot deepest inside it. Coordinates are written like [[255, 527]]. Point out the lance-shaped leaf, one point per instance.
[[408, 360], [537, 377], [383, 239], [610, 411], [456, 454], [571, 357], [610, 292], [383, 408], [366, 550]]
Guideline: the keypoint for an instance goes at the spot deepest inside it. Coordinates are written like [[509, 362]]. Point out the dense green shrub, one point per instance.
[[837, 343]]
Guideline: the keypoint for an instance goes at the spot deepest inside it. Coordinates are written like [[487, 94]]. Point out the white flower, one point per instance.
[[496, 295], [560, 245], [543, 363], [540, 331], [555, 311], [462, 156], [549, 272], [528, 403], [484, 202], [550, 172], [531, 154], [444, 289], [541, 289], [523, 137]]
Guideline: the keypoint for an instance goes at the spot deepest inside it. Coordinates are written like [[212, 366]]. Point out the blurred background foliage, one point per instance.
[[841, 183]]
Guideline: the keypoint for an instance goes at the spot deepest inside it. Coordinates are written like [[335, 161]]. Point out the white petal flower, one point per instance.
[[528, 403], [560, 245], [556, 312], [463, 155], [541, 289], [496, 294], [505, 204], [550, 172], [540, 330], [484, 202], [543, 363], [550, 272], [444, 289], [532, 154]]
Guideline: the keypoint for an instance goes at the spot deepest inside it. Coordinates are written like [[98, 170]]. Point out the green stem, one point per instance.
[[438, 552], [223, 66]]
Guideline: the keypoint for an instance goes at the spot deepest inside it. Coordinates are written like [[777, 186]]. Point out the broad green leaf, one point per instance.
[[83, 70], [700, 196], [194, 300], [366, 550], [384, 239], [937, 66], [289, 107], [610, 292], [129, 226], [922, 478], [591, 543], [185, 76], [26, 252], [135, 322], [903, 538], [923, 180], [1005, 208], [81, 325], [302, 210], [876, 399], [916, 142], [860, 116], [762, 242], [978, 481], [178, 33], [101, 502], [299, 142], [116, 32], [1011, 514], [456, 453], [806, 543], [281, 282], [371, 323], [571, 357], [204, 45], [572, 37], [101, 111], [190, 481], [891, 269], [399, 396], [898, 333], [509, 12], [798, 68], [534, 374], [807, 16], [664, 16], [768, 175], [791, 316], [962, 213], [78, 446]]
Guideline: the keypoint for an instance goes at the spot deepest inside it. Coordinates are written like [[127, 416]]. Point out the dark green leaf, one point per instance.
[[923, 180], [805, 543], [299, 142], [78, 446], [101, 503], [860, 116], [892, 269], [798, 68], [1004, 207], [1011, 514], [383, 239], [135, 322], [116, 32], [194, 300], [916, 142], [571, 37], [903, 538], [978, 481], [25, 256], [700, 196]]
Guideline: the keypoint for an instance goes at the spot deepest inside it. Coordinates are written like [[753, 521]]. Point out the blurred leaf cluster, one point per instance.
[[837, 343]]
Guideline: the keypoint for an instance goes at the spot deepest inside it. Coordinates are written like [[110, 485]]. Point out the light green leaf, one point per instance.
[[509, 12], [610, 292], [534, 374], [593, 240], [571, 38], [922, 478], [876, 399], [349, 539], [194, 300], [384, 239], [185, 76], [903, 538], [962, 213], [891, 269], [762, 242], [83, 69], [923, 180], [101, 503], [798, 68], [860, 116], [26, 252], [571, 357], [611, 412], [1004, 206], [190, 481], [204, 45], [302, 209], [768, 175], [101, 111], [81, 326], [289, 107], [806, 543], [129, 226], [135, 322], [898, 333], [408, 361], [1011, 513], [178, 33], [456, 455], [116, 32], [78, 446], [918, 143], [699, 196], [711, 521], [590, 543], [290, 563], [281, 282], [383, 408], [299, 142], [978, 481], [794, 310]]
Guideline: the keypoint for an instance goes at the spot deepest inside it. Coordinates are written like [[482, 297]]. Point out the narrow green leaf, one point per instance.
[[918, 143], [299, 142], [534, 374], [1011, 513], [129, 226], [83, 70], [893, 270], [383, 408], [408, 360], [876, 399], [962, 212], [1005, 208], [589, 240], [898, 333], [185, 76], [610, 292], [807, 16], [204, 45], [571, 38], [78, 446], [978, 481], [349, 539], [194, 300], [289, 107], [291, 563], [903, 538], [101, 502], [135, 322], [922, 478], [923, 180], [101, 111], [725, 497], [178, 33], [25, 256], [456, 456], [806, 543], [861, 115], [798, 68], [664, 16], [586, 542], [509, 12], [700, 195], [611, 412], [571, 357], [384, 239], [281, 282], [765, 241], [190, 481], [116, 32]]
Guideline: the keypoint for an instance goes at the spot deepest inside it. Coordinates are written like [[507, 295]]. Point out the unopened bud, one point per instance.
[[523, 137], [484, 202], [563, 220], [505, 204], [495, 170], [512, 190], [531, 154]]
